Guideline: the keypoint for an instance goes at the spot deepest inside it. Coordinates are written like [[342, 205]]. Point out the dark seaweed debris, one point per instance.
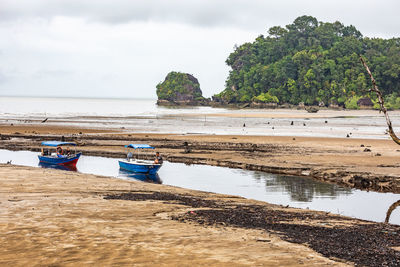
[[364, 244]]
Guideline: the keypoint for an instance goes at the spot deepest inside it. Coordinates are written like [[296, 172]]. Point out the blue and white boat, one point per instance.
[[59, 157], [139, 165]]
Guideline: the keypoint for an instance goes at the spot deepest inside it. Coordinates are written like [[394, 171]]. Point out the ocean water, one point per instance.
[[143, 115], [73, 107]]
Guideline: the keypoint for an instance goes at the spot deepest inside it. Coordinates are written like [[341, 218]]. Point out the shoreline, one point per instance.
[[60, 217], [366, 164], [293, 123]]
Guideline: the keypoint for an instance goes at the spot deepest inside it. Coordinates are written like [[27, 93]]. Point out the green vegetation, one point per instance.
[[179, 86], [312, 62], [351, 103], [392, 101], [266, 98]]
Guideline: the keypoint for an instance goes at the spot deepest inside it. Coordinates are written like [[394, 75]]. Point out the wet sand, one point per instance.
[[276, 122], [51, 217]]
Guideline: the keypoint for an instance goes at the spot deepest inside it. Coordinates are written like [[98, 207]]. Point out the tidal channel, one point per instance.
[[283, 190]]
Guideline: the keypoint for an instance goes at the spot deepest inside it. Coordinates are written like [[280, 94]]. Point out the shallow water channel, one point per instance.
[[277, 189]]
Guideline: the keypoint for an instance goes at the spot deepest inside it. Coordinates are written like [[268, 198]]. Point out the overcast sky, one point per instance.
[[123, 48]]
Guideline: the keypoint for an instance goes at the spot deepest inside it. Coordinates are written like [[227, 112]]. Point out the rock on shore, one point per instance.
[[180, 89]]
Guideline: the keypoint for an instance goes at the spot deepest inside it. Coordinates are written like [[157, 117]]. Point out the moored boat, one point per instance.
[[60, 156], [139, 165]]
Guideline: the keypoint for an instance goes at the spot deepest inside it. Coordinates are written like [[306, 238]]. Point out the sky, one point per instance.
[[124, 48]]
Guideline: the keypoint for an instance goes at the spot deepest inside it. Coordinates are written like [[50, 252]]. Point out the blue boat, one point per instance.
[[139, 165], [59, 157]]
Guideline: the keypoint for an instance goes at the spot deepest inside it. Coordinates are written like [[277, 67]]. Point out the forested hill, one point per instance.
[[312, 62]]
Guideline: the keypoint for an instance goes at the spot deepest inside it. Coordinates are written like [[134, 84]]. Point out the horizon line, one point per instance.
[[77, 97]]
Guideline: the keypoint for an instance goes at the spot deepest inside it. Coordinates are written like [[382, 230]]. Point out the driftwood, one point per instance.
[[381, 103]]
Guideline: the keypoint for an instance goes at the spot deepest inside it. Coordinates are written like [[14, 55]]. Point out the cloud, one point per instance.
[[380, 16], [194, 12], [2, 78], [71, 57], [125, 47]]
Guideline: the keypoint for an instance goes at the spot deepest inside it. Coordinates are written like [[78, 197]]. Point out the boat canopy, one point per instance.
[[140, 146], [57, 143]]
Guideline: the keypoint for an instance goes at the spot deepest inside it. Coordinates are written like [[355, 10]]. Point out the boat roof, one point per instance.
[[140, 146], [57, 143]]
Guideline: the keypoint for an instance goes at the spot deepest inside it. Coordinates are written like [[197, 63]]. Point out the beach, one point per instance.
[[52, 217], [199, 133], [69, 218]]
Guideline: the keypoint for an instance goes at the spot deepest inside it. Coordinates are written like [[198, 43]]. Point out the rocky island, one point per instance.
[[180, 89]]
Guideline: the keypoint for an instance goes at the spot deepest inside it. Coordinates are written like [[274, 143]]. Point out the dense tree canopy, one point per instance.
[[179, 86], [312, 62]]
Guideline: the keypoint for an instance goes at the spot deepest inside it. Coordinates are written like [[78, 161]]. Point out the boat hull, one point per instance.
[[139, 167], [65, 161]]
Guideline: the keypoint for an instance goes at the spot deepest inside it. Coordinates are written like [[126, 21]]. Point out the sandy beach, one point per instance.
[[51, 217]]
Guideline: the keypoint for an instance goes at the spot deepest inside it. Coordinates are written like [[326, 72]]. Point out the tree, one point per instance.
[[311, 61], [277, 31], [179, 86], [381, 103]]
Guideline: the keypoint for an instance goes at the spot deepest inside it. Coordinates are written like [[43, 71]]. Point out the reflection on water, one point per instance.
[[150, 178], [277, 189], [300, 189], [58, 167]]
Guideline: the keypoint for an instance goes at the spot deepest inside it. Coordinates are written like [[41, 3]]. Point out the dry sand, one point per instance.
[[51, 217]]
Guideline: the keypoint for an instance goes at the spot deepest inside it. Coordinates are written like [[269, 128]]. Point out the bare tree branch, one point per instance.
[[391, 209], [381, 103]]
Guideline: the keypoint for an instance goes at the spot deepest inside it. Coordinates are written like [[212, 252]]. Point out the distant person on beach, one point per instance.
[[158, 159], [129, 156]]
